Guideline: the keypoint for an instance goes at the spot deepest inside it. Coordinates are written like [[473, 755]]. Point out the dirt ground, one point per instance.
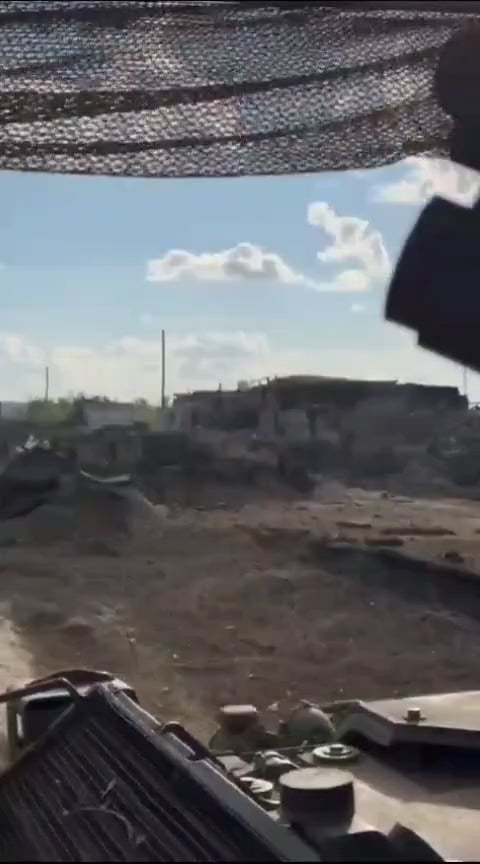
[[230, 601]]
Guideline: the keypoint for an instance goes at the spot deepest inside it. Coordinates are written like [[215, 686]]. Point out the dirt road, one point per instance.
[[250, 604]]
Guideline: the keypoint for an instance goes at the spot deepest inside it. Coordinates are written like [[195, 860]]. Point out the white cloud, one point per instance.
[[425, 178], [357, 308], [208, 354], [22, 367], [242, 262], [14, 348], [130, 367], [354, 241]]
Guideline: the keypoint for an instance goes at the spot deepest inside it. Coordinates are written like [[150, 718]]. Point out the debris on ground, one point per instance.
[[228, 605], [235, 569]]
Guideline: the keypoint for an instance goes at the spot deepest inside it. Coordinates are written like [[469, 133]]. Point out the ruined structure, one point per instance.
[[297, 402]]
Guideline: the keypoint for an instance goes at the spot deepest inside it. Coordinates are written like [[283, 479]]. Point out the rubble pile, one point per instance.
[[364, 433], [52, 504], [283, 438], [424, 452]]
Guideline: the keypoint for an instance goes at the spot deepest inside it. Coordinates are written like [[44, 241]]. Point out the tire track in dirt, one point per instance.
[[230, 606], [73, 611]]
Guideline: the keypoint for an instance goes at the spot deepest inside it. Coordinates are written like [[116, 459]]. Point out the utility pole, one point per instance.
[[163, 369], [465, 386], [47, 383]]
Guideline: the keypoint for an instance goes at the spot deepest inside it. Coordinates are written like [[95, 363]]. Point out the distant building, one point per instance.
[[261, 403], [300, 390], [13, 410], [100, 415]]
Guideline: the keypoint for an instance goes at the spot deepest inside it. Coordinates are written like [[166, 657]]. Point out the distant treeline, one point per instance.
[[69, 409]]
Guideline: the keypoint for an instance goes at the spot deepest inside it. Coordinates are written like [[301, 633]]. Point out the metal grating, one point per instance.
[[106, 785]]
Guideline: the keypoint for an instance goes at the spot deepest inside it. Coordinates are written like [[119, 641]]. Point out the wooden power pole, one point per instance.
[[47, 383], [163, 369], [465, 381]]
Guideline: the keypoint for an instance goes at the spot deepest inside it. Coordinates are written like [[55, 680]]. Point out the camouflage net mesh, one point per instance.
[[173, 89]]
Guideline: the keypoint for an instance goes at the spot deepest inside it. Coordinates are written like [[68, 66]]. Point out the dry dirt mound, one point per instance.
[[91, 517]]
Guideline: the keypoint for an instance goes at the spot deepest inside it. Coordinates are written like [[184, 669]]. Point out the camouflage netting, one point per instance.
[[173, 89]]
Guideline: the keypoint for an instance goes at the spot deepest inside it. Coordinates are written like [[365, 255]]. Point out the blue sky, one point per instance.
[[248, 277]]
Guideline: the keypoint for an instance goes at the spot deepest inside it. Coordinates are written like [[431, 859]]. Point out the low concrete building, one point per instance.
[[114, 448], [96, 414], [294, 425], [13, 410]]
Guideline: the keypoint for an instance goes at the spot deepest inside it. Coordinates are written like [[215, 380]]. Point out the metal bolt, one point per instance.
[[336, 749], [414, 715], [335, 753]]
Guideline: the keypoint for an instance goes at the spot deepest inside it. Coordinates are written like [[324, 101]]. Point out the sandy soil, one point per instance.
[[246, 603]]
